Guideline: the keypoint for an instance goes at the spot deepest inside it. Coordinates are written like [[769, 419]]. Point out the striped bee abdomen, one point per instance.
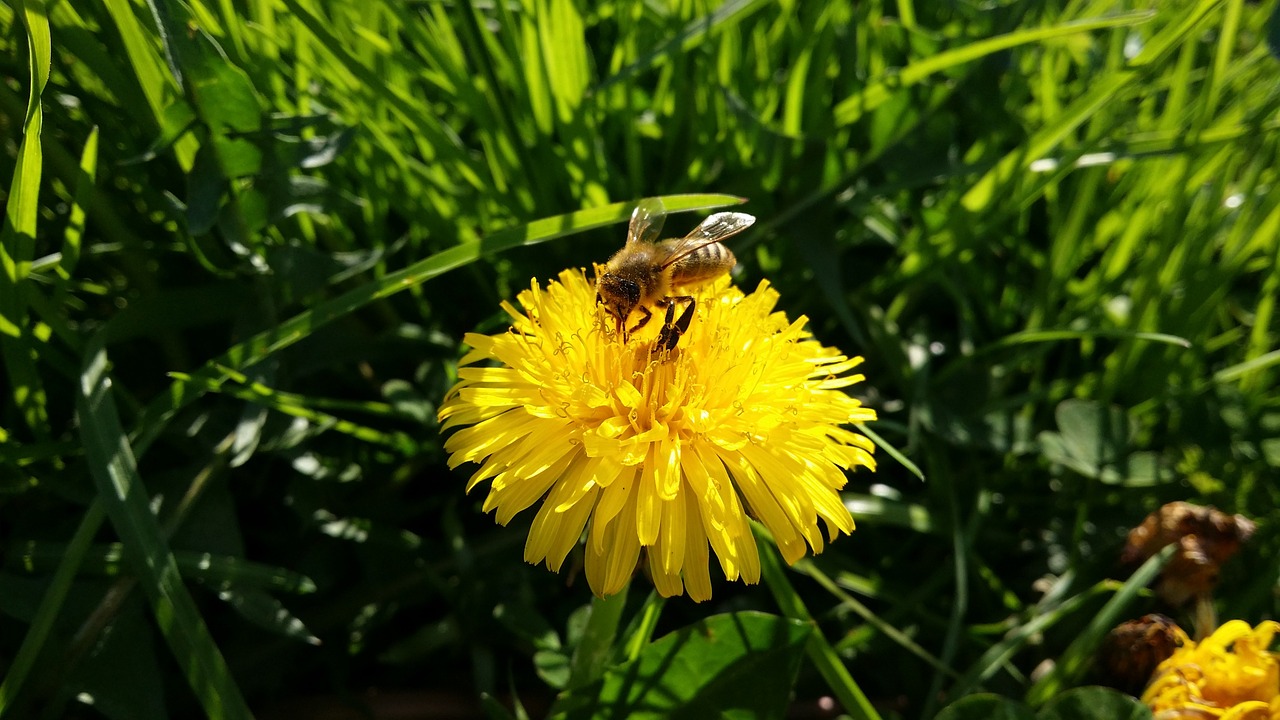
[[706, 263]]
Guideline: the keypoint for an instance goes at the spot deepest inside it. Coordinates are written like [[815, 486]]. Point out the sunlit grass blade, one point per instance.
[[299, 407], [1038, 336], [565, 54], [182, 392], [1248, 367], [75, 221], [893, 451], [17, 238], [890, 512], [115, 472], [878, 91], [158, 85]]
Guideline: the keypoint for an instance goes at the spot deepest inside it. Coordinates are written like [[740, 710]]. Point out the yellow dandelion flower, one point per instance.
[[1229, 675], [665, 452]]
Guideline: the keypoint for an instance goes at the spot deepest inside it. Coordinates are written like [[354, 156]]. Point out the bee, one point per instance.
[[645, 272]]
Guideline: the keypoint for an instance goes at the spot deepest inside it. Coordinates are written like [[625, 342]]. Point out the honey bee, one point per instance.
[[645, 271]]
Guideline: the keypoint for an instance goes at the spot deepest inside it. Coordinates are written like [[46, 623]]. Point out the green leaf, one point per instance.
[[1088, 703], [985, 707], [553, 667], [1093, 433], [39, 49], [225, 97], [239, 157], [738, 665], [157, 83], [115, 472], [1094, 703], [205, 186], [1093, 440]]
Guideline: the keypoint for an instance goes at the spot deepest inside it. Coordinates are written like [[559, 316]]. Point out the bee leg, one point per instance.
[[643, 321], [672, 329]]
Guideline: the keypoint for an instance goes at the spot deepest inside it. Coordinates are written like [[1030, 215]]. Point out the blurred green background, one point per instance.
[[244, 239]]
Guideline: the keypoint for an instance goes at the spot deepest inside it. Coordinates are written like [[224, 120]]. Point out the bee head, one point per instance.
[[619, 295]]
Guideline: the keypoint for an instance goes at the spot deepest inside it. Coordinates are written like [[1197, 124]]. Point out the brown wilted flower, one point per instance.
[[1132, 650], [1206, 538]]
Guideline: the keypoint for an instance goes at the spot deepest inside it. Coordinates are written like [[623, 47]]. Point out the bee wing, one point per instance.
[[720, 226], [646, 221]]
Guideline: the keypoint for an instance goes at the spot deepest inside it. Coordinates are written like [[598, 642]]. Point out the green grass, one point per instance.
[[243, 240]]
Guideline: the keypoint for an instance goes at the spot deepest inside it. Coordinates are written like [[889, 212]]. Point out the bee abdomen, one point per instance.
[[705, 263]]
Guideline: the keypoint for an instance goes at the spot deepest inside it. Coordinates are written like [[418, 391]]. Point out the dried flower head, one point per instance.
[[1133, 649], [1206, 538]]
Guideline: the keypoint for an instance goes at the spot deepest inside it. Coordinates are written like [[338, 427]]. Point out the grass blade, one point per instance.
[[153, 76], [83, 194], [1077, 656], [17, 240], [69, 562], [115, 473], [300, 407], [213, 570], [893, 451]]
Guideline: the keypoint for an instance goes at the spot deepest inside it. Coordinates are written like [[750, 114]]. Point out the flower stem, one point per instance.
[[591, 656], [820, 652]]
